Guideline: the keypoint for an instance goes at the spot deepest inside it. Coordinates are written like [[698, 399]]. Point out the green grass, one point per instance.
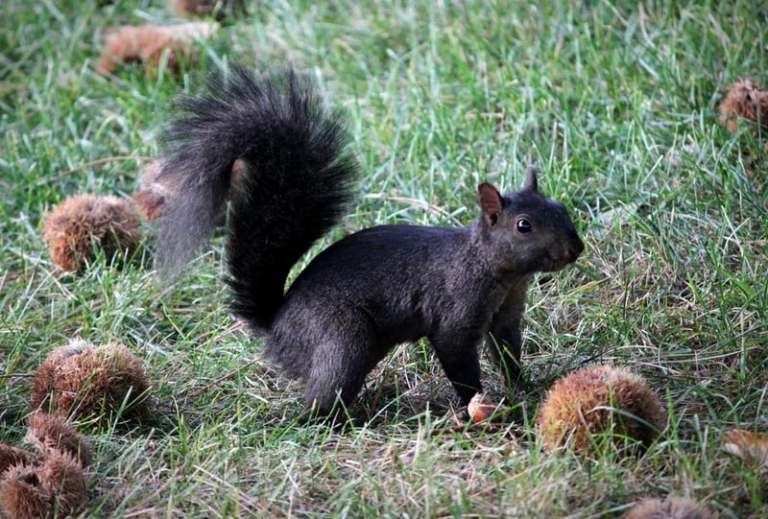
[[617, 103]]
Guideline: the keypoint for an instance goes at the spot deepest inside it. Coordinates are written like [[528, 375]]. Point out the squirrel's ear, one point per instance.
[[491, 202], [531, 183]]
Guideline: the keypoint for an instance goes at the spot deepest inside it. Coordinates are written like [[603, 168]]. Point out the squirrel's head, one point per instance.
[[526, 231]]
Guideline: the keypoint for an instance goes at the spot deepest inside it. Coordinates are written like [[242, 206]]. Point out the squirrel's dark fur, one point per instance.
[[369, 291]]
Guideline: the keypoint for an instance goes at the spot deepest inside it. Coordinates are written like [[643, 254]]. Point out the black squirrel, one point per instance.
[[369, 291]]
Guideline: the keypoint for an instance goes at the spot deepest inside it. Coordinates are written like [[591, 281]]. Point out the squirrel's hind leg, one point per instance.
[[340, 363]]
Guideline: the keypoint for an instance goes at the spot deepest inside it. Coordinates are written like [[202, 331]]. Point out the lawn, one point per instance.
[[616, 102]]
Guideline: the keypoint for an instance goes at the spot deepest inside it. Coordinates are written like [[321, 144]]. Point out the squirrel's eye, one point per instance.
[[524, 225]]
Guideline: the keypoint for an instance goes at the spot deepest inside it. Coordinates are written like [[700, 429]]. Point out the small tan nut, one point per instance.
[[480, 408]]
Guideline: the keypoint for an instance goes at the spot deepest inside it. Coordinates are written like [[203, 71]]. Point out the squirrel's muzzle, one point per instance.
[[576, 247], [571, 250]]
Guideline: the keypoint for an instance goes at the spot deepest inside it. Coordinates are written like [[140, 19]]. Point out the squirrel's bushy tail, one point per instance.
[[292, 181]]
